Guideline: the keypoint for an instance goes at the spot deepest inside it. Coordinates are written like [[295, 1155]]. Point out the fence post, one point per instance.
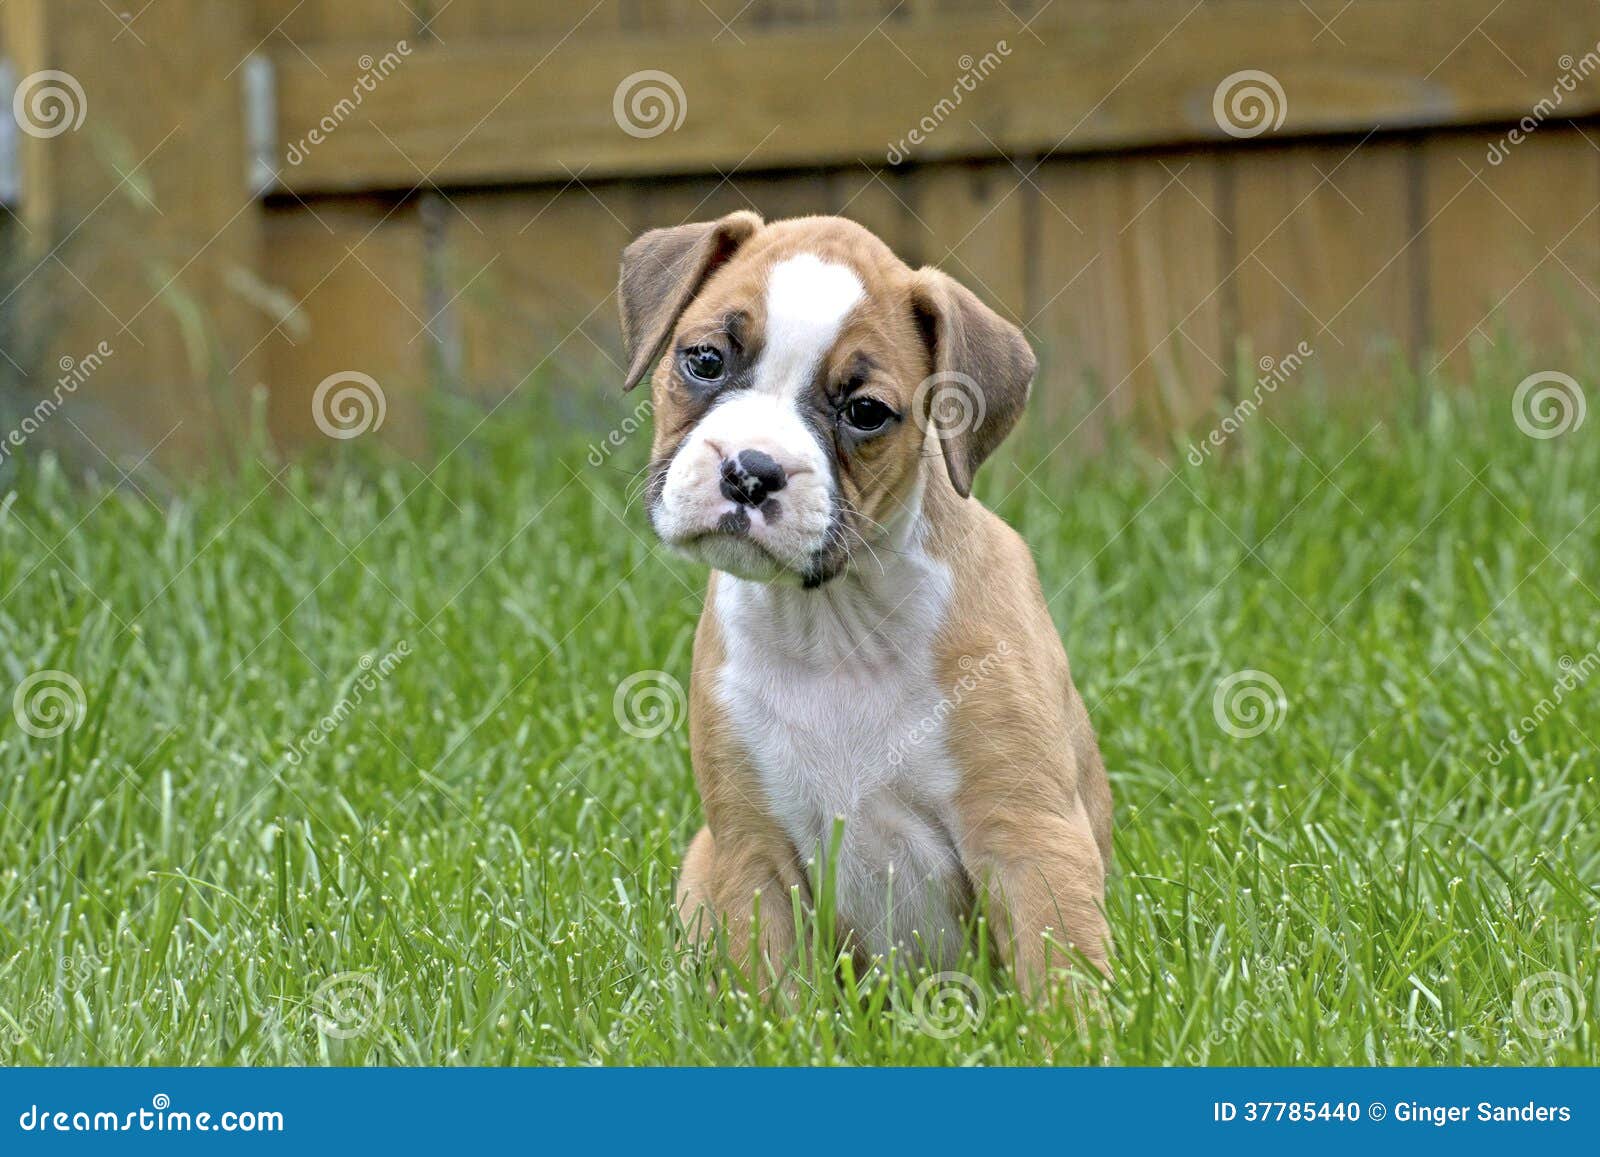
[[139, 233]]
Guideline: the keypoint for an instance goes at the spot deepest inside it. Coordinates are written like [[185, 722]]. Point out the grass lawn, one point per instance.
[[473, 861]]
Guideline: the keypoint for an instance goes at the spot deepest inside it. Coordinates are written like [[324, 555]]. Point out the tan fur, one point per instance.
[[1034, 804], [1035, 801]]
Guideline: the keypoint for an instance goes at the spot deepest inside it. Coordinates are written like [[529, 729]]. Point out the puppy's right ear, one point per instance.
[[661, 273]]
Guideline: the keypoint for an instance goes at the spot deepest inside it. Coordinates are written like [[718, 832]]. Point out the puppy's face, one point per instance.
[[794, 420]]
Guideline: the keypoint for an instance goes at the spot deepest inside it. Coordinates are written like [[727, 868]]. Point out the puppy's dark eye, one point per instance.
[[867, 414], [704, 363]]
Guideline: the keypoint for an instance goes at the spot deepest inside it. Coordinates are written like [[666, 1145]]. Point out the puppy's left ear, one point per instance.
[[982, 371], [661, 273]]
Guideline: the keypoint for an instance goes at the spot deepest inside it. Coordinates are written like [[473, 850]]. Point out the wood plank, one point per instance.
[[879, 199], [529, 280], [664, 202], [542, 18], [141, 237], [352, 271], [973, 218], [1323, 244], [1107, 75], [882, 200], [1513, 248], [1131, 286], [283, 23], [660, 203], [726, 20]]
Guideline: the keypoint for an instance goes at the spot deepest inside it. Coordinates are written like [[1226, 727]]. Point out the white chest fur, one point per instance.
[[834, 694]]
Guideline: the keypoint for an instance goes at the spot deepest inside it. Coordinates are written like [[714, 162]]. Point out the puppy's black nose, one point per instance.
[[750, 476]]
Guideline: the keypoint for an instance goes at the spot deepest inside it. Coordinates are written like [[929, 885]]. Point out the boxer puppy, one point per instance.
[[875, 647]]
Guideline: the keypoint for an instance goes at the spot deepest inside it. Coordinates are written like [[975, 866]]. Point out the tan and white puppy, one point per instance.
[[875, 645]]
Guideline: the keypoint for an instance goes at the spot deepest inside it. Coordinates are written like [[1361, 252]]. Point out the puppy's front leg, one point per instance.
[[741, 886], [742, 864], [1042, 876]]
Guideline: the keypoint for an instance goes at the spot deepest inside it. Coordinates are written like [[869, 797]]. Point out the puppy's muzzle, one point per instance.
[[751, 477], [749, 491]]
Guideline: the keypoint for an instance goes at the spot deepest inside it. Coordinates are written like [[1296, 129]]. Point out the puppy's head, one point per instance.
[[807, 385]]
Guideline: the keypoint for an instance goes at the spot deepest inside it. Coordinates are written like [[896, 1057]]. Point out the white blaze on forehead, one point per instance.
[[808, 300]]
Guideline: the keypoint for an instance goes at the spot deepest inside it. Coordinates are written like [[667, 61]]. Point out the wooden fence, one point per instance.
[[435, 194]]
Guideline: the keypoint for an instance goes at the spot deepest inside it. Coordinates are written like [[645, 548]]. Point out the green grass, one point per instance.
[[481, 852]]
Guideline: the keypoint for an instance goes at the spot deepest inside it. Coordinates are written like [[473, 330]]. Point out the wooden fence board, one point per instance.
[[1131, 273], [1323, 237], [1115, 74], [141, 232], [657, 16], [530, 278], [354, 270], [281, 21], [462, 19], [973, 218], [881, 200], [1511, 248]]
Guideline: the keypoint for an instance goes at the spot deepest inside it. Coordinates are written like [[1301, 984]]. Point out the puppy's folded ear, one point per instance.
[[661, 273], [982, 371]]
